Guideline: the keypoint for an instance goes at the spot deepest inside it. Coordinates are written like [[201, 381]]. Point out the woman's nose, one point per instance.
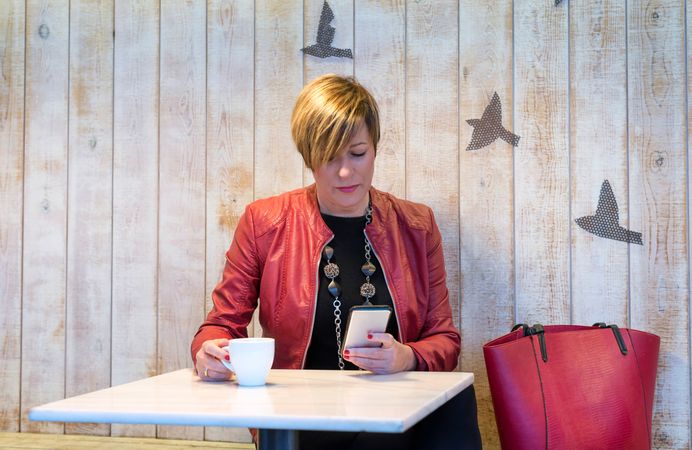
[[344, 170]]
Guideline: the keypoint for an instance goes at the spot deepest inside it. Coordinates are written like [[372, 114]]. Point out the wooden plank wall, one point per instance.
[[182, 186], [657, 135], [89, 202], [487, 256], [230, 132], [133, 134], [135, 196], [12, 57], [44, 222]]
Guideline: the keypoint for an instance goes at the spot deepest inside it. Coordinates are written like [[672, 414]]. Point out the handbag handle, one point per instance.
[[535, 330], [616, 332], [538, 330]]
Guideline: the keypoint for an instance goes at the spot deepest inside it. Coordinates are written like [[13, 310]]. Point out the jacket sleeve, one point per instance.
[[235, 296], [439, 343]]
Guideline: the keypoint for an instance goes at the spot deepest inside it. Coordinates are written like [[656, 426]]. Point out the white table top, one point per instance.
[[292, 399]]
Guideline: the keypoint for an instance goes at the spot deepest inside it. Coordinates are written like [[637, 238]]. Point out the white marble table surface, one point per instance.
[[292, 400]]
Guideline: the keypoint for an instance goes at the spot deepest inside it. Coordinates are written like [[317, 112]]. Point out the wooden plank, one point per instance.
[[230, 119], [542, 163], [486, 194], [314, 66], [278, 167], [659, 285], [89, 213], [688, 33], [182, 175], [598, 151], [379, 54], [432, 122], [17, 441], [278, 80], [12, 17], [135, 196], [45, 209]]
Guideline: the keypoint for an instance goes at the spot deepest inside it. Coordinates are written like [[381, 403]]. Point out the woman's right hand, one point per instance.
[[208, 360]]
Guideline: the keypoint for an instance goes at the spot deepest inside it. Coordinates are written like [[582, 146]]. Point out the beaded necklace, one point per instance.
[[367, 289]]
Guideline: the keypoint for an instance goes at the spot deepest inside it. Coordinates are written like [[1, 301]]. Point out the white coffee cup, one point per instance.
[[251, 359]]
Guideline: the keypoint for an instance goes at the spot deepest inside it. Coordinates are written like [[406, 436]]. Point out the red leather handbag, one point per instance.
[[573, 387]]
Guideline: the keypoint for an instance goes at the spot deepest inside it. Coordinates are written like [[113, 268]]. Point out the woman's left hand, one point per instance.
[[390, 357]]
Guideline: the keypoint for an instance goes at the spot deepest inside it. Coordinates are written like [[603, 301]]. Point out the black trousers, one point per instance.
[[452, 426]]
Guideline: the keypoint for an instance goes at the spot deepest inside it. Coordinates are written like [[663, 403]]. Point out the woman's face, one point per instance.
[[343, 183]]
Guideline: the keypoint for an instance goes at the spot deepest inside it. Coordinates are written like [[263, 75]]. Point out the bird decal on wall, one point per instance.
[[325, 36], [489, 127], [606, 222]]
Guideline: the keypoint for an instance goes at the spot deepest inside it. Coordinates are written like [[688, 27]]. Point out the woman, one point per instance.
[[388, 251]]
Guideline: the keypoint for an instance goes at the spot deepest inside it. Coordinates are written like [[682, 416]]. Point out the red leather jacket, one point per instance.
[[275, 257]]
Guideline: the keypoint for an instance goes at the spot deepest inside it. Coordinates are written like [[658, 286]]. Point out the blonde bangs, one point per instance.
[[327, 113]]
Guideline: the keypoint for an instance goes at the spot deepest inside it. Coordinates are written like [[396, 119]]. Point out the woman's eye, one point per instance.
[[358, 155]]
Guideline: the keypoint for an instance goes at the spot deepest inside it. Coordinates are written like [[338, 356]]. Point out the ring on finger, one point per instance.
[[206, 372]]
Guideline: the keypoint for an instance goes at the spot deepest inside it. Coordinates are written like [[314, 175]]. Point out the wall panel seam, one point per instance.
[[569, 164], [110, 381], [514, 173], [67, 195], [158, 198], [206, 164], [21, 233], [687, 199], [627, 169]]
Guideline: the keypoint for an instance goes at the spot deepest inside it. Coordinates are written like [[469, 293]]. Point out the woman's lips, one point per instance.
[[348, 189]]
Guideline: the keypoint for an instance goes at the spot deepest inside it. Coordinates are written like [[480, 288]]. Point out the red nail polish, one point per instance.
[[228, 357], [369, 336], [346, 353]]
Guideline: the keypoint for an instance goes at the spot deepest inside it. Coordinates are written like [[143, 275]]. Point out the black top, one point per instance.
[[349, 255]]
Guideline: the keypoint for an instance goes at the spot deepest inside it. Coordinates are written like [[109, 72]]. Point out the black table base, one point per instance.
[[278, 439]]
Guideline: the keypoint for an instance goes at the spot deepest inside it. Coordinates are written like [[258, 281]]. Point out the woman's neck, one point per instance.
[[356, 211]]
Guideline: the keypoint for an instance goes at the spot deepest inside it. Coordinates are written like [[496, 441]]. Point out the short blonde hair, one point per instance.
[[327, 113]]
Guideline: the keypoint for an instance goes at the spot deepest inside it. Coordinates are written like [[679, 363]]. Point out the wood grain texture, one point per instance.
[[598, 152], [542, 164], [486, 197], [35, 441], [432, 141], [278, 167], [230, 123], [89, 213], [379, 52], [688, 33], [182, 174], [44, 252], [278, 80], [135, 196], [658, 204], [12, 16], [569, 99]]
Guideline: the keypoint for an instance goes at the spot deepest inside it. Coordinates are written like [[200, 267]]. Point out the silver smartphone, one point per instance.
[[364, 319]]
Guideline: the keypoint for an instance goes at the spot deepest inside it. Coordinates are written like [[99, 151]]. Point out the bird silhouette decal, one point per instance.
[[606, 222], [489, 127], [325, 36]]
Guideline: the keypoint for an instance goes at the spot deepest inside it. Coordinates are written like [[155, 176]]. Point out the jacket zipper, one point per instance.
[[314, 304], [384, 273]]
